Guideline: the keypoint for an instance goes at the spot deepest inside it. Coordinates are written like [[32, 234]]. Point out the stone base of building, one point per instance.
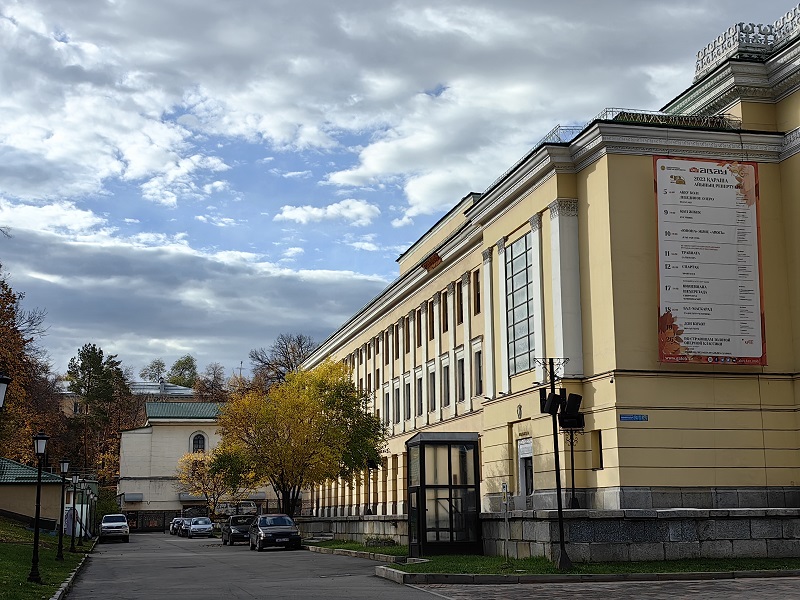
[[645, 534], [356, 528], [621, 498]]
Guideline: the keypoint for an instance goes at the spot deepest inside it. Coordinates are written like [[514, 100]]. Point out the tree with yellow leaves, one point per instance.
[[312, 427], [213, 476]]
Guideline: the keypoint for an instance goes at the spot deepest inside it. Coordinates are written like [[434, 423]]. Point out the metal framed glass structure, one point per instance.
[[443, 494]]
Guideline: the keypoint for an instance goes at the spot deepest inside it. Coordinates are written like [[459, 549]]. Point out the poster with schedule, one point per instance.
[[709, 265]]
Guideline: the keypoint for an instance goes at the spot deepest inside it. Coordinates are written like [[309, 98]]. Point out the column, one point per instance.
[[488, 335], [451, 351], [390, 378], [401, 484], [502, 306], [537, 293], [424, 317], [412, 344], [437, 350], [567, 328], [466, 280]]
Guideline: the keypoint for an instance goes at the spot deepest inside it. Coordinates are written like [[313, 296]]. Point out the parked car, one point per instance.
[[235, 529], [273, 530], [174, 524], [183, 526], [114, 526], [200, 527]]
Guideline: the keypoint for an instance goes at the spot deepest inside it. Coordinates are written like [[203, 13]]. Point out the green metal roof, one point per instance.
[[182, 410], [14, 472]]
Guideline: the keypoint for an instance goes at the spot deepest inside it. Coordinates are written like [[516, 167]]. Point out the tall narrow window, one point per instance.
[[476, 292], [369, 382], [459, 303], [386, 347], [407, 400], [519, 305], [431, 321], [397, 405], [478, 373], [419, 396], [443, 315], [397, 330], [386, 408], [406, 335], [432, 391], [199, 443], [418, 328], [596, 441], [446, 385], [460, 380], [377, 378]]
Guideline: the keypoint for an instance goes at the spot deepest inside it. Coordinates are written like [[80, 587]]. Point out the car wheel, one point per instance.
[[189, 534], [259, 547], [126, 539], [230, 541]]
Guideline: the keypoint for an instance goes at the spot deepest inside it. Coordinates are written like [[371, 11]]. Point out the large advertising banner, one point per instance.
[[709, 266]]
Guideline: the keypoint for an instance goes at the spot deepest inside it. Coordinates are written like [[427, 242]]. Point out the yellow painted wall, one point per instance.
[[21, 499], [787, 112]]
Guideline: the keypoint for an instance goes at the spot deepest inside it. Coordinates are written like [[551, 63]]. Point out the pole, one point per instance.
[[60, 555], [74, 518], [564, 562], [81, 530], [368, 509], [34, 576], [573, 503]]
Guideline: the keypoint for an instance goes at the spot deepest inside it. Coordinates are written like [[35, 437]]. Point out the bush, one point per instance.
[[378, 541]]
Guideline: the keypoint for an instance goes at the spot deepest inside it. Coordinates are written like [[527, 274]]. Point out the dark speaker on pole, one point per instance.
[[573, 406], [552, 404]]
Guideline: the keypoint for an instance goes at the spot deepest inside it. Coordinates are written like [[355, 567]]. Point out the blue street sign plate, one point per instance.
[[633, 417]]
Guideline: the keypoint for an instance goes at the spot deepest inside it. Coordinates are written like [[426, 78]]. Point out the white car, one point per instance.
[[114, 526], [200, 526]]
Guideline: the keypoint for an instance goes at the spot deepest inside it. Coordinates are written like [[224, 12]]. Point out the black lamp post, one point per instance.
[[92, 513], [39, 447], [63, 466], [75, 479], [5, 380]]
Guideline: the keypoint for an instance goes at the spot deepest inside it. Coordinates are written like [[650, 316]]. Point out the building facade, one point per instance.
[[654, 256]]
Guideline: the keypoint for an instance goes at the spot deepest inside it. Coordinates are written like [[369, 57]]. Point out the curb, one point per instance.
[[404, 578], [62, 591], [387, 558]]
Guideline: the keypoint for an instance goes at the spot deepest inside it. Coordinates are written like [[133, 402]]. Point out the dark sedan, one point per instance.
[[274, 530], [235, 529]]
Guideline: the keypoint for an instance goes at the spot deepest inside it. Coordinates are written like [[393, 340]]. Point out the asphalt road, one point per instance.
[[155, 566]]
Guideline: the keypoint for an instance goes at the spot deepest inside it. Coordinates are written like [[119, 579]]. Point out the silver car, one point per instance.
[[200, 526], [114, 526]]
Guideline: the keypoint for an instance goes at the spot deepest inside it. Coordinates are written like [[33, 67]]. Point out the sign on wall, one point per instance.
[[709, 265]]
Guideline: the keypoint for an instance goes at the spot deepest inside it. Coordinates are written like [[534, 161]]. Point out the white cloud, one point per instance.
[[355, 212], [293, 252]]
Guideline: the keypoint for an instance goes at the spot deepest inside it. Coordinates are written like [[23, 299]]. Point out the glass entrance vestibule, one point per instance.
[[443, 493]]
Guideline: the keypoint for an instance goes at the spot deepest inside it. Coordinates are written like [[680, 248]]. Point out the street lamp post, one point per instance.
[[5, 380], [39, 447], [75, 479], [63, 466]]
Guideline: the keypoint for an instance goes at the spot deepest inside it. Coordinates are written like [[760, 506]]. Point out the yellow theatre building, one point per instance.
[[659, 253]]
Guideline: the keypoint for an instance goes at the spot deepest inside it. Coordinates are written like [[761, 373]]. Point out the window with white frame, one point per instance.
[[397, 403], [446, 385], [519, 305]]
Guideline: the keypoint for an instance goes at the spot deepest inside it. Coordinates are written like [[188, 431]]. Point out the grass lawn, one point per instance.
[[16, 552], [497, 565], [392, 550]]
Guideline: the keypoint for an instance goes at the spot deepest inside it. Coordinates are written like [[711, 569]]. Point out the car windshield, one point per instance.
[[114, 519], [240, 520], [201, 521], [275, 522]]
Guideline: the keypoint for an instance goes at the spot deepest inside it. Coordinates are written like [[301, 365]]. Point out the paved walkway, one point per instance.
[[773, 588]]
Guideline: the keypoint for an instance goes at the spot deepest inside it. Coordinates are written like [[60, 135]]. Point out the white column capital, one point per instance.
[[536, 222], [487, 255], [563, 207]]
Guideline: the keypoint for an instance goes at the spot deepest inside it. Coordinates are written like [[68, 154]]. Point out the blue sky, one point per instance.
[[197, 177]]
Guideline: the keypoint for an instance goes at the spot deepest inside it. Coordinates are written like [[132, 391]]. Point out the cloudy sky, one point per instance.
[[184, 176]]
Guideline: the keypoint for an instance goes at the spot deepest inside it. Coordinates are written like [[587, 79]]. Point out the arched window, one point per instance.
[[199, 443]]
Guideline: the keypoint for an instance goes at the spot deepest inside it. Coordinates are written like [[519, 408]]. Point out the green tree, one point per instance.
[[312, 427], [106, 406], [183, 371], [154, 371]]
